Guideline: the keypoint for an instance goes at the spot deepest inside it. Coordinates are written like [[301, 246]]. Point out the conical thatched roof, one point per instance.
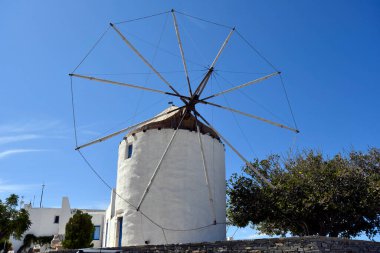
[[171, 120]]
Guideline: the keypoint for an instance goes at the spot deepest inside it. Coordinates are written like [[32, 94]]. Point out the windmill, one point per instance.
[[149, 186]]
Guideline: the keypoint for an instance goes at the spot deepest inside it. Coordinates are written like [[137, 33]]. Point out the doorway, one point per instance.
[[119, 230]]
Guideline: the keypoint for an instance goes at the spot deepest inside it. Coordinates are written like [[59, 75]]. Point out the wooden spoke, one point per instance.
[[236, 151], [204, 82], [182, 53], [211, 200], [124, 130], [127, 85], [159, 163], [251, 116], [129, 44], [243, 85], [222, 48]]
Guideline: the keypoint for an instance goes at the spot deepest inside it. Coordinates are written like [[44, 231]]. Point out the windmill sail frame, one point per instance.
[[188, 109]]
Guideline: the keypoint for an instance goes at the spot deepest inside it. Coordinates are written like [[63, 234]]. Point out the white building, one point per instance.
[[52, 221], [185, 200]]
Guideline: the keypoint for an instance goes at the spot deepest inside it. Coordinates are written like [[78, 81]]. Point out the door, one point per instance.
[[120, 230]]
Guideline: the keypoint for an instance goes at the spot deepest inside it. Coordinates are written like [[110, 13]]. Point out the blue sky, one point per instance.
[[328, 53]]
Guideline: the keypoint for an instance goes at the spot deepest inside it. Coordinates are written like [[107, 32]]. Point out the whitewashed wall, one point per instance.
[[97, 218], [109, 233], [43, 221], [178, 198]]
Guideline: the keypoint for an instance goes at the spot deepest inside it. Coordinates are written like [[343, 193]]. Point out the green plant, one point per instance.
[[79, 231], [30, 238], [313, 195], [13, 221]]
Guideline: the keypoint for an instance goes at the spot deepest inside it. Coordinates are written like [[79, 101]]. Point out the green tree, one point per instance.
[[30, 239], [79, 231], [13, 221], [313, 195]]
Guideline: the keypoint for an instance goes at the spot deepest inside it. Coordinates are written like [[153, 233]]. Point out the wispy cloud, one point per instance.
[[10, 152], [29, 130], [7, 187], [89, 129], [89, 132], [30, 126], [18, 138]]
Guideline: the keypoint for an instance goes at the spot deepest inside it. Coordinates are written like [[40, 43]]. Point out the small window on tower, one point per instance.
[[56, 219], [129, 151]]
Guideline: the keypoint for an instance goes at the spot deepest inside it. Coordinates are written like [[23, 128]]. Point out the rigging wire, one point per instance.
[[160, 101], [73, 111], [274, 68], [182, 13], [161, 49], [294, 143], [257, 51], [92, 48], [242, 72], [140, 73], [142, 227], [213, 143], [150, 72], [237, 122], [194, 44], [287, 99], [163, 232], [204, 20], [237, 228], [253, 100], [101, 178], [136, 19], [206, 172]]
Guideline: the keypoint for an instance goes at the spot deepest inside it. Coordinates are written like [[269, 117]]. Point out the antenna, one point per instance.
[[42, 194]]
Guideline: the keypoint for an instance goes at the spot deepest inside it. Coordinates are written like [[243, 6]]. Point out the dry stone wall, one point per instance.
[[313, 244]]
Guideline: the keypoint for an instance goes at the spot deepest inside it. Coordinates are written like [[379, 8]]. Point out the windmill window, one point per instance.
[[56, 219], [129, 151]]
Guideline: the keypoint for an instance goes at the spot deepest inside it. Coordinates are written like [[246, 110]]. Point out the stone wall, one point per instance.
[[312, 244]]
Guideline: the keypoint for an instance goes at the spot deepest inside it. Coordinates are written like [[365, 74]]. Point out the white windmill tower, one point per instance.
[[171, 168]]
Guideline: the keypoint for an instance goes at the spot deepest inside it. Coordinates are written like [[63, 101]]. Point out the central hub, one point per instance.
[[193, 101]]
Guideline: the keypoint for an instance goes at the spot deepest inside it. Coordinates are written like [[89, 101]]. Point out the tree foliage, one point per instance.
[[30, 239], [13, 221], [313, 195], [5, 246], [79, 231]]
